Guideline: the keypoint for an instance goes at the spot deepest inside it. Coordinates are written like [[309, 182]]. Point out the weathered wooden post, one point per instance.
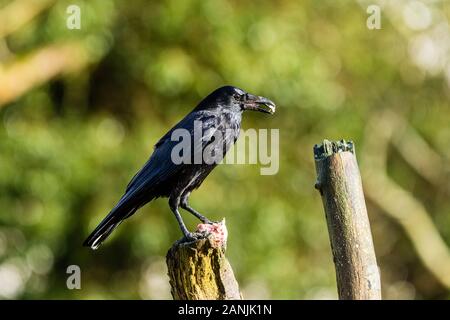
[[199, 270], [339, 183]]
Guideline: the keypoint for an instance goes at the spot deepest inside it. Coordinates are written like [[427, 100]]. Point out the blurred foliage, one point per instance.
[[69, 145]]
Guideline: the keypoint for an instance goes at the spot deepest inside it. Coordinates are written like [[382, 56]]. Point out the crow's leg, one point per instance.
[[174, 202], [185, 205]]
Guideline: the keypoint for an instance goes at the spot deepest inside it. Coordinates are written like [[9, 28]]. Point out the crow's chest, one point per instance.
[[230, 126]]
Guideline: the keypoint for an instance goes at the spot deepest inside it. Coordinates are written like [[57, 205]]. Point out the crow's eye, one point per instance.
[[237, 97]]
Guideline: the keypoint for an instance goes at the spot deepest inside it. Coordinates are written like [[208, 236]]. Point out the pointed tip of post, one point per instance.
[[328, 148]]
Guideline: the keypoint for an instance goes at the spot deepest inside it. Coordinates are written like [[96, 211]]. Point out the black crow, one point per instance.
[[217, 119]]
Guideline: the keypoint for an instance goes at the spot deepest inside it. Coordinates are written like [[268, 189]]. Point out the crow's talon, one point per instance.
[[191, 236]]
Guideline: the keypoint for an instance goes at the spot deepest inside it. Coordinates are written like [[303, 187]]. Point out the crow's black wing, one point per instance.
[[160, 165]]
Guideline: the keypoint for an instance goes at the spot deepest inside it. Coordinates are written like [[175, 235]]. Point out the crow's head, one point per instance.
[[237, 99]]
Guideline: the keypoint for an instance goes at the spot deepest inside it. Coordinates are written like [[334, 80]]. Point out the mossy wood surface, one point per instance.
[[199, 270], [339, 183]]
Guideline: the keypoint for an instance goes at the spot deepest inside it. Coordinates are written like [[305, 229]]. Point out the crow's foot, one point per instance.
[[192, 236]]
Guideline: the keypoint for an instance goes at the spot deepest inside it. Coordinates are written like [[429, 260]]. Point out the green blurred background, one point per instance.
[[80, 111]]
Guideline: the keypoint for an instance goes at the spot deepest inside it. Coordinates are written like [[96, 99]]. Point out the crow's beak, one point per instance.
[[257, 103]]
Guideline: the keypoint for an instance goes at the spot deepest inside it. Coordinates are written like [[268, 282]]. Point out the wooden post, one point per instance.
[[339, 183], [199, 270]]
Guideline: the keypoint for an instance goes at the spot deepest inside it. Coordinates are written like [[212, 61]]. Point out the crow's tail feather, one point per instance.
[[97, 237], [104, 229]]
